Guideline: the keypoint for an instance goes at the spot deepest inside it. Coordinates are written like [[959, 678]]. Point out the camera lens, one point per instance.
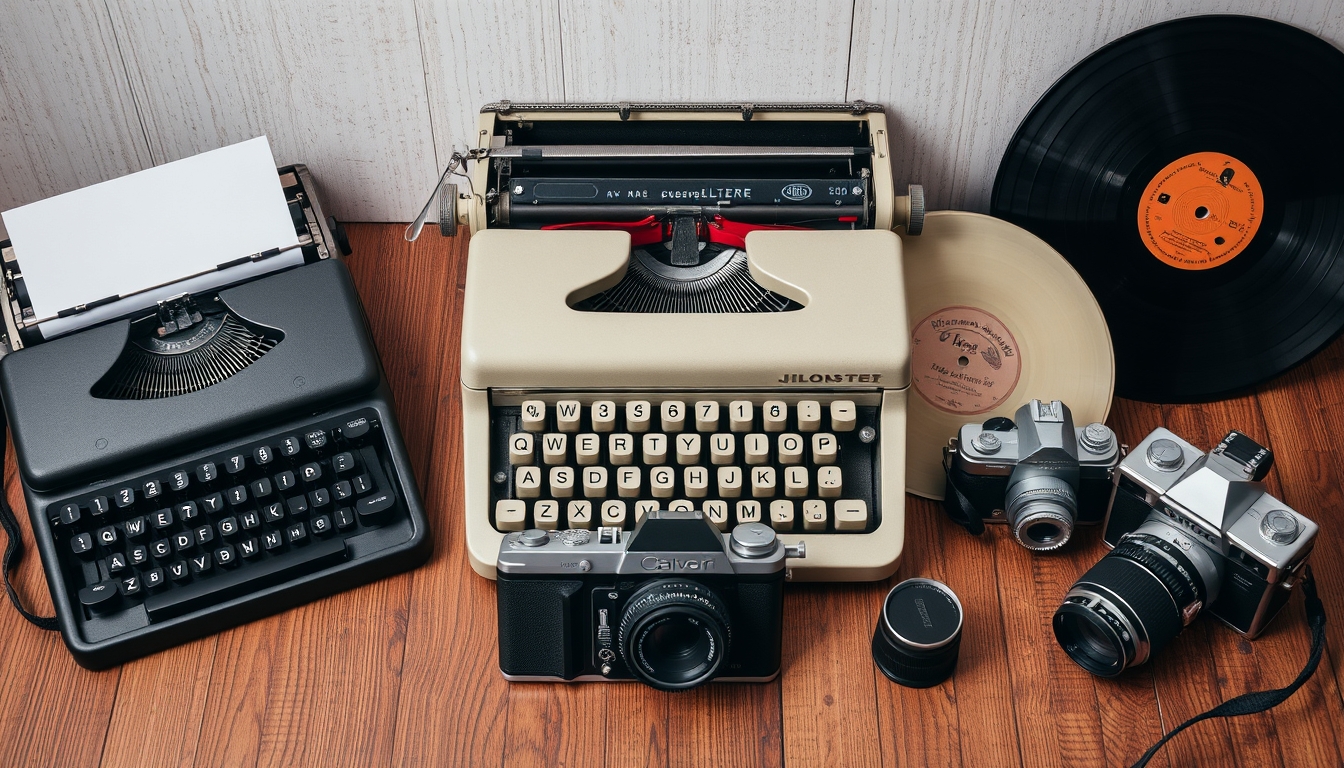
[[1041, 510], [674, 634], [1133, 602]]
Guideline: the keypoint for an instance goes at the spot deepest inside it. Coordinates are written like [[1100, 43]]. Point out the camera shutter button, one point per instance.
[[753, 540], [1097, 438], [1165, 455], [1279, 527], [534, 537], [987, 443]]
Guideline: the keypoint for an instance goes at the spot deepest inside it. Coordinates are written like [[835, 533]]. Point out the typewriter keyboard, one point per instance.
[[803, 465], [207, 531]]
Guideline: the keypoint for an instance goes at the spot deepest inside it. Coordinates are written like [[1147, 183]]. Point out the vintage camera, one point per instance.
[[1040, 475], [673, 604], [1191, 533]]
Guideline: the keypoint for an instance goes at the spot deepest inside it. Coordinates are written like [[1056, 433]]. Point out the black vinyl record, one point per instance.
[[1193, 173]]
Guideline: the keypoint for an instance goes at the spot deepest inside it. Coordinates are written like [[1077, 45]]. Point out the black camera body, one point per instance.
[[673, 604]]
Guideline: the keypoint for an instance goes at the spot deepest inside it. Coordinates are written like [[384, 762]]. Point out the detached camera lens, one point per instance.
[[674, 635], [918, 635]]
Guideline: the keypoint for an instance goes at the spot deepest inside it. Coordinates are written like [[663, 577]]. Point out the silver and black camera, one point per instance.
[[1035, 472], [1191, 533], [673, 604]]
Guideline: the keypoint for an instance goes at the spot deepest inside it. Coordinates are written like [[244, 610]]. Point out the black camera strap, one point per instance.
[[958, 507], [14, 548], [1260, 701]]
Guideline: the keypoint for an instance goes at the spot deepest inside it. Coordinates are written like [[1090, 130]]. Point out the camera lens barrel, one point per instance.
[[918, 635], [1041, 512], [674, 635]]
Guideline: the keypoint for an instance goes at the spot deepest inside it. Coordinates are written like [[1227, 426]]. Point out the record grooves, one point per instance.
[[1192, 173]]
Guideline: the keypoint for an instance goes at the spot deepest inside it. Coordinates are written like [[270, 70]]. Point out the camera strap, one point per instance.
[[1260, 701], [14, 548], [958, 507]]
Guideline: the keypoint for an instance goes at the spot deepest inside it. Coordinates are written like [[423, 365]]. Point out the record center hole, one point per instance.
[[1201, 212], [1219, 240], [963, 361]]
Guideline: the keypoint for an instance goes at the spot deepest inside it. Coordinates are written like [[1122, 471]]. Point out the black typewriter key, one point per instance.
[[236, 495], [355, 429], [116, 562], [187, 510], [298, 505], [107, 536], [161, 548], [228, 526], [321, 525], [183, 540], [161, 519], [345, 517], [135, 528], [284, 481], [315, 439], [204, 534], [178, 571], [98, 506], [319, 498], [273, 513], [296, 533], [129, 586], [69, 514], [249, 548], [263, 454], [207, 472], [343, 462], [261, 488], [152, 489], [179, 480], [226, 557], [101, 597], [363, 484], [249, 521], [139, 555], [124, 497], [310, 472], [235, 463], [342, 490], [213, 503], [373, 507], [201, 563], [81, 544], [154, 578], [272, 540], [290, 446]]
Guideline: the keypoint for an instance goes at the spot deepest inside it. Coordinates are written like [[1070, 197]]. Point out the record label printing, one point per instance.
[[1200, 211], [965, 360]]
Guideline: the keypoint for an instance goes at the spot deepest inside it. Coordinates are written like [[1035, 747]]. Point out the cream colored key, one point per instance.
[[567, 413], [730, 482], [814, 515], [655, 448], [756, 448], [587, 448], [580, 514], [795, 482], [748, 512], [681, 505], [562, 482], [674, 415], [762, 482], [595, 482], [688, 448], [843, 417], [706, 415], [775, 414], [781, 515], [613, 513], [534, 415], [809, 415], [790, 448], [696, 482], [554, 448], [662, 481], [604, 416], [546, 514], [628, 481], [643, 508], [722, 448], [521, 449], [527, 482], [621, 448], [851, 514], [829, 482], [740, 416], [637, 415], [823, 448], [510, 515], [716, 512]]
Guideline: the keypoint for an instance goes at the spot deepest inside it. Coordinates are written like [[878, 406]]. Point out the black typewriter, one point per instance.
[[211, 458]]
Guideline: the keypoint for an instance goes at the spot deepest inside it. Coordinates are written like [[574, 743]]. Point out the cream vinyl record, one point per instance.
[[997, 318]]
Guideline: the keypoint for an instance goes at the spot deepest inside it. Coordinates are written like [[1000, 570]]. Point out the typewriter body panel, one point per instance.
[[551, 319], [262, 470]]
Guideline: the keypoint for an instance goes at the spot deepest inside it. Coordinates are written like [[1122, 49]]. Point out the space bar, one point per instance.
[[249, 578]]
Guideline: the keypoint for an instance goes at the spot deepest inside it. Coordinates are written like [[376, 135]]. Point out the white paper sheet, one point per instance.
[[159, 225]]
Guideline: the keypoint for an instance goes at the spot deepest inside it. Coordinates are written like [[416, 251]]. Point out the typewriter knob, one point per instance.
[[448, 209], [910, 210]]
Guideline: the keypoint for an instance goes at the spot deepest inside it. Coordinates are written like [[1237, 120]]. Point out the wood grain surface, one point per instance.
[[403, 671]]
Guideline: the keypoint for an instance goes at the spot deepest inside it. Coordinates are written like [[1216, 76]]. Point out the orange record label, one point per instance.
[[1200, 211], [965, 360]]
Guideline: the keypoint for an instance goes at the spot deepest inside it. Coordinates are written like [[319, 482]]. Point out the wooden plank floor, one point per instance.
[[403, 672]]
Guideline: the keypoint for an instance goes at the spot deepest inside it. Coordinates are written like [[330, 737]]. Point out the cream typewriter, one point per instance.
[[693, 306]]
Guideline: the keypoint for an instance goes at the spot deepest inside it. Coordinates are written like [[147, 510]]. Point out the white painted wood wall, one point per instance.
[[374, 95]]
